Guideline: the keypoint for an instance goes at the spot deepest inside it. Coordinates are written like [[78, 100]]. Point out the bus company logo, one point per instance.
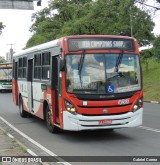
[[6, 159], [123, 101], [105, 111]]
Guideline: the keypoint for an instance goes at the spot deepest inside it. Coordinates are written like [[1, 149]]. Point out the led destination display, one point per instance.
[[101, 43]]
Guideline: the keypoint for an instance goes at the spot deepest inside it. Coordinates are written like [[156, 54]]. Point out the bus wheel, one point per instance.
[[21, 110], [52, 128], [110, 130]]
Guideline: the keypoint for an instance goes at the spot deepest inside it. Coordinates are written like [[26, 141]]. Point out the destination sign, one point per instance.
[[101, 43]]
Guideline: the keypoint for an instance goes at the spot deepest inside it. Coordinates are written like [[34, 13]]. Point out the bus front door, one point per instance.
[[29, 84], [55, 85]]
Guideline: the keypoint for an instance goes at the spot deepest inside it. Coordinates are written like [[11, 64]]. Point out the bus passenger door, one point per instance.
[[55, 85], [29, 84]]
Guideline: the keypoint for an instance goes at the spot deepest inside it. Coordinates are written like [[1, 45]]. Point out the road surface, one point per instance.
[[140, 141]]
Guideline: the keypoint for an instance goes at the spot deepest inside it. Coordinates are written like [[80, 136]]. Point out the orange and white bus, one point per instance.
[[83, 82]]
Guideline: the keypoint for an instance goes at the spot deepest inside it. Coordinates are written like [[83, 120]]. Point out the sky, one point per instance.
[[18, 22]]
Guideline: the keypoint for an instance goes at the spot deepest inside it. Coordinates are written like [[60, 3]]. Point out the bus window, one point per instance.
[[37, 66], [46, 58], [20, 69], [24, 67]]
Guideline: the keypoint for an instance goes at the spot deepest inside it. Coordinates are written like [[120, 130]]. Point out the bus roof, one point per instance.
[[37, 48], [54, 43]]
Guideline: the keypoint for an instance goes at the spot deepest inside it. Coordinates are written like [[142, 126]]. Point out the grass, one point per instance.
[[4, 132], [13, 141], [151, 81], [23, 149]]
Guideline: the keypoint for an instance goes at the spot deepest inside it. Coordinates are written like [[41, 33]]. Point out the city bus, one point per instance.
[[5, 77], [81, 82]]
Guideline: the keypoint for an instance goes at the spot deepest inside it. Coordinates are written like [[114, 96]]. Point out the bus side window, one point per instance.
[[20, 69], [37, 66], [46, 61], [24, 74]]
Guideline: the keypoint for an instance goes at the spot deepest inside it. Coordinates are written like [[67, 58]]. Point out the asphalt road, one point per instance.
[[140, 141]]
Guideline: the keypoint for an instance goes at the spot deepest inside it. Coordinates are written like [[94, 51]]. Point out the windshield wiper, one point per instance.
[[119, 59], [80, 65]]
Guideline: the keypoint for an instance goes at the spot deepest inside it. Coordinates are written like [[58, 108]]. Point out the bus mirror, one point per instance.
[[62, 64], [43, 87]]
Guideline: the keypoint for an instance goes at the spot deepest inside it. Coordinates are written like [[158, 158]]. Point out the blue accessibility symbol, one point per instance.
[[110, 88]]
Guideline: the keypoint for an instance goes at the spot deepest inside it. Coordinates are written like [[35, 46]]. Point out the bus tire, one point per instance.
[[52, 128], [110, 130], [21, 110]]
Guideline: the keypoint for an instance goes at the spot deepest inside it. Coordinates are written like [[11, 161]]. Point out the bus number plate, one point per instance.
[[105, 122]]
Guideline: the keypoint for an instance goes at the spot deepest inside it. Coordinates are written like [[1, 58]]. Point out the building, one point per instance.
[[9, 55]]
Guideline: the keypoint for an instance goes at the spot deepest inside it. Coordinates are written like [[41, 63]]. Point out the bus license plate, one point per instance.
[[105, 122]]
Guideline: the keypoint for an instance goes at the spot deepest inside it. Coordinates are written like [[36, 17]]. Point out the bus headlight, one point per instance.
[[70, 107], [138, 105]]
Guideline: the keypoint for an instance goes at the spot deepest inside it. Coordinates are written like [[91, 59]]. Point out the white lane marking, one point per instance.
[[31, 140], [31, 152], [150, 129], [12, 137]]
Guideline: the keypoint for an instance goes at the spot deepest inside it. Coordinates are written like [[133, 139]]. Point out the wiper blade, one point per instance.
[[119, 59], [80, 66]]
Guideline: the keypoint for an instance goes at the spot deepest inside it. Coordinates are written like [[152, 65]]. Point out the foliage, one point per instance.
[[4, 132], [23, 148], [151, 80], [75, 17], [2, 59], [156, 45], [146, 55], [1, 27]]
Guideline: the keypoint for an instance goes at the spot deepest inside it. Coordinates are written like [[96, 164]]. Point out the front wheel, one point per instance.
[[21, 110], [52, 128], [110, 130]]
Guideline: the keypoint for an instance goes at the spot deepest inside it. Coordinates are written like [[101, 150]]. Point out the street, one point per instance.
[[140, 141]]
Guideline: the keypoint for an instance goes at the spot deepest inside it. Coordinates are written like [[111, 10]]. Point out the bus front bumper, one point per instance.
[[6, 87], [80, 122]]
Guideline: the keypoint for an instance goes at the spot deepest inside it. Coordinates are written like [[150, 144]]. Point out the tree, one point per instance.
[[146, 56], [2, 59], [49, 25], [156, 46], [1, 27], [76, 17]]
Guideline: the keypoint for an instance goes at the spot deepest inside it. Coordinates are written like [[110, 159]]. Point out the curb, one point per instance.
[[153, 102], [19, 143], [59, 160], [30, 152]]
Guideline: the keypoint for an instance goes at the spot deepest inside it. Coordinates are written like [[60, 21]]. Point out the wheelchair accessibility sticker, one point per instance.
[[110, 89]]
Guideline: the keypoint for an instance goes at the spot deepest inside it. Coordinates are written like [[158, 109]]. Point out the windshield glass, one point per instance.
[[5, 74], [99, 73]]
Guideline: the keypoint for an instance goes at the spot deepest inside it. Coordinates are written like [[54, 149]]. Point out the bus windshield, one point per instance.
[[5, 74], [102, 74]]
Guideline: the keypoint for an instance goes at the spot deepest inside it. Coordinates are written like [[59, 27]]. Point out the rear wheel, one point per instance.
[[52, 128], [21, 110]]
